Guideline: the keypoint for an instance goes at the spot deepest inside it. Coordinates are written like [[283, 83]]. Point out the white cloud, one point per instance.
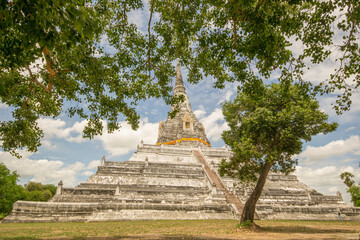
[[47, 144], [77, 128], [332, 149], [348, 160], [43, 170], [215, 124], [327, 180], [87, 173], [320, 72], [94, 164], [117, 143], [56, 128], [53, 128], [200, 112], [140, 17], [226, 97], [125, 139], [350, 129]]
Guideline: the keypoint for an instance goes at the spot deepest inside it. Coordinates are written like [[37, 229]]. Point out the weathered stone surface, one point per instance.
[[184, 128]]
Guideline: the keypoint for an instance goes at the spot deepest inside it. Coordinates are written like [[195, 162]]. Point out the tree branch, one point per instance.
[[49, 63], [124, 15], [149, 25], [235, 30], [34, 80]]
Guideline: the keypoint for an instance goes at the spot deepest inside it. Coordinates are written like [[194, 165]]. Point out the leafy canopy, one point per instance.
[[268, 124], [52, 59], [231, 40]]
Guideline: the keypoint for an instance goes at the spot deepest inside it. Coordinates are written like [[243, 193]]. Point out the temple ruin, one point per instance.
[[177, 178]]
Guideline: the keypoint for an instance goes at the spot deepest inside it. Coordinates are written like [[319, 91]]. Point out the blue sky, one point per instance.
[[65, 155]]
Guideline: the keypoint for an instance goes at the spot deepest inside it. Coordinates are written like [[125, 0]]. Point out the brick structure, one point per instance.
[[184, 128]]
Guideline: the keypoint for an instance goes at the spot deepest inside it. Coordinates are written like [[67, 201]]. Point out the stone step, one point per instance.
[[22, 206], [142, 187], [146, 179], [80, 212], [285, 196], [283, 202], [149, 170], [230, 198], [130, 164], [151, 174], [276, 192], [178, 199], [87, 191], [134, 189]]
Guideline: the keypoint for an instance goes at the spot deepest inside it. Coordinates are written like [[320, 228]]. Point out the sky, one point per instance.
[[65, 155]]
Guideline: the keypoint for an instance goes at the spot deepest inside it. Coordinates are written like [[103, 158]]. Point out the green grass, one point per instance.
[[176, 229]]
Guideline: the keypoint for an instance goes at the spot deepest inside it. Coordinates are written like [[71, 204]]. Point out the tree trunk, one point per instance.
[[249, 208]]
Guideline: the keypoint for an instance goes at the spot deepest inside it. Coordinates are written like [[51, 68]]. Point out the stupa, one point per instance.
[[177, 178]]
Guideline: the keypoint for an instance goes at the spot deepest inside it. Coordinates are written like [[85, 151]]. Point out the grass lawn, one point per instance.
[[182, 229]]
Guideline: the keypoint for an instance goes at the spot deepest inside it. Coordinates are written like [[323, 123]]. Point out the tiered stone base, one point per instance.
[[133, 190], [24, 211], [178, 182]]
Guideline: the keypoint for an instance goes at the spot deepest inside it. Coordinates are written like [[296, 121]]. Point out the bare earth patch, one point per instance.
[[185, 229]]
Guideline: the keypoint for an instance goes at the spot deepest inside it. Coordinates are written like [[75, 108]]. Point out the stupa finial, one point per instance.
[[179, 84]]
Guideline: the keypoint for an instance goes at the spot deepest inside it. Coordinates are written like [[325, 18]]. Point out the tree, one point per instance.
[[228, 40], [10, 192], [51, 61], [352, 188], [38, 192], [268, 124]]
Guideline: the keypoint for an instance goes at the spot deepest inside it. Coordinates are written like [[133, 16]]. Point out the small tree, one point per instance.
[[268, 124], [9, 190], [352, 188]]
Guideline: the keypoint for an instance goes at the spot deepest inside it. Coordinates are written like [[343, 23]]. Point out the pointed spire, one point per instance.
[[179, 84], [184, 128]]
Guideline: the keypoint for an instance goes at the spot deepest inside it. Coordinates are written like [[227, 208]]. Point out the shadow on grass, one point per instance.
[[302, 229]]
